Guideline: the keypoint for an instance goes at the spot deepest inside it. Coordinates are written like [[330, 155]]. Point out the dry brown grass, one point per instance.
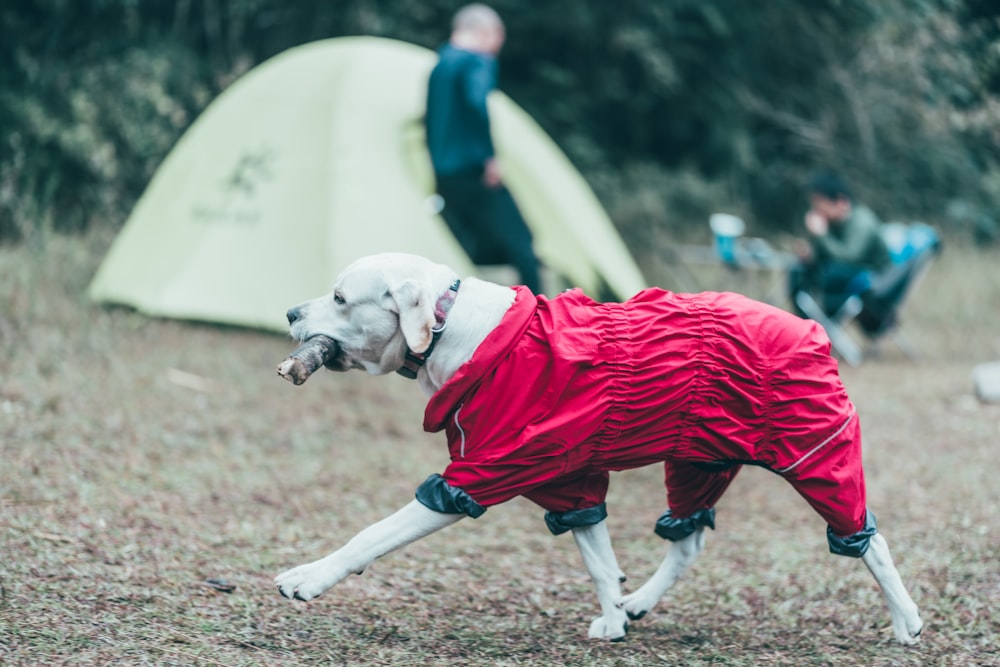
[[122, 491]]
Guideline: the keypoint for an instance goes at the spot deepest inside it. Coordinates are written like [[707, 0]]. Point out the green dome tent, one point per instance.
[[315, 158]]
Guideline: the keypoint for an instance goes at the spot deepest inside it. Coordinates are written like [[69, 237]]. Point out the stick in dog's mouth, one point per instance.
[[308, 358]]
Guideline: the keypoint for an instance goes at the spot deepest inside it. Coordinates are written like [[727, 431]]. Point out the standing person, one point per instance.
[[479, 210], [845, 252]]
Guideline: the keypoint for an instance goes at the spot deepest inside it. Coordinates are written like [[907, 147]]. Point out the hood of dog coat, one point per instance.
[[490, 352]]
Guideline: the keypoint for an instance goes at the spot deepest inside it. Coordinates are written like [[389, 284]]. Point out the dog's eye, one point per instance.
[[338, 299]]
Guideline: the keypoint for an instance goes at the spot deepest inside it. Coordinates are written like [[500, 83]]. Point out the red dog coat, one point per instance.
[[566, 389]]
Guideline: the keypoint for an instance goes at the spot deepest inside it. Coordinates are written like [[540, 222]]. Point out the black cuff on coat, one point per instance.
[[560, 522], [670, 528], [854, 545], [437, 494]]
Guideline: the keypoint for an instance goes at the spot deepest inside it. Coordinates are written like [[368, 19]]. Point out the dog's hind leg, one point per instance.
[[682, 554], [692, 491], [594, 543], [906, 623]]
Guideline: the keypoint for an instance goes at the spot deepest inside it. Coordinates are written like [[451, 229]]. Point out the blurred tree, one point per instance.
[[981, 22], [672, 109], [742, 93]]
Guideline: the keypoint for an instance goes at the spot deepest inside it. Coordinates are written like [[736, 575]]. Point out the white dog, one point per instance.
[[543, 397]]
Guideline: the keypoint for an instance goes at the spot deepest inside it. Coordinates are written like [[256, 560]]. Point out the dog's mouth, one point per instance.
[[330, 348], [338, 358], [339, 361], [335, 357]]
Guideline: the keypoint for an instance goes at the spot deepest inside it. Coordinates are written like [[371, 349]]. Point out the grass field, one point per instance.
[[140, 458]]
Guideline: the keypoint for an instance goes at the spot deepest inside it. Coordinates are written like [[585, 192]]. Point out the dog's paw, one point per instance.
[[908, 629], [609, 628], [636, 605], [308, 581]]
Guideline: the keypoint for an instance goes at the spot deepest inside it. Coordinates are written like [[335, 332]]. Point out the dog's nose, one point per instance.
[[294, 314]]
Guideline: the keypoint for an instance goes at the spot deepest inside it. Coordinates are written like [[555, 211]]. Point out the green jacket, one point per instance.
[[857, 240]]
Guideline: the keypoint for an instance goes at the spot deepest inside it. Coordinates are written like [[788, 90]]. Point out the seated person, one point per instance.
[[845, 253]]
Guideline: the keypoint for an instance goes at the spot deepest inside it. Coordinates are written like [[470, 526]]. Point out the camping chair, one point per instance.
[[913, 248], [753, 257]]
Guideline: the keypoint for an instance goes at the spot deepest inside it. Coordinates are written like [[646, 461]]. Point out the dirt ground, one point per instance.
[[141, 458]]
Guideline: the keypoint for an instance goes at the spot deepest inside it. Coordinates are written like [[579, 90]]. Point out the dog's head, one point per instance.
[[380, 306]]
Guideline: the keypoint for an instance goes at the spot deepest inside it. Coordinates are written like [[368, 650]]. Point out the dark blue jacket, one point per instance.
[[457, 121]]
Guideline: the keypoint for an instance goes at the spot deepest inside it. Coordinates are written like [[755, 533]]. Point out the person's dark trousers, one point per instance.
[[802, 277], [488, 225], [835, 282]]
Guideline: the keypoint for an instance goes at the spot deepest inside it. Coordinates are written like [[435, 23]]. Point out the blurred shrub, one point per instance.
[[646, 199], [671, 109], [85, 140], [746, 99]]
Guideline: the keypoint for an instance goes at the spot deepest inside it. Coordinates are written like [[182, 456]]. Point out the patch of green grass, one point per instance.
[[121, 492]]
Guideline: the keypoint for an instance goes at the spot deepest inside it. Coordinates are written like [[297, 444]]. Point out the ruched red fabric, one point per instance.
[[565, 390]]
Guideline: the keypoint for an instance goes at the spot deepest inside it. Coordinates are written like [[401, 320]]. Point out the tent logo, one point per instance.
[[237, 195]]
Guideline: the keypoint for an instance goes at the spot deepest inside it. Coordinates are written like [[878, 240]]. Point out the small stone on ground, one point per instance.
[[986, 378]]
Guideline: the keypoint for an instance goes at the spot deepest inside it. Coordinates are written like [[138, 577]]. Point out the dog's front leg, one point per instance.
[[906, 623], [594, 543], [680, 557], [407, 525]]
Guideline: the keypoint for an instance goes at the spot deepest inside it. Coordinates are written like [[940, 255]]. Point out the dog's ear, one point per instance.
[[414, 302]]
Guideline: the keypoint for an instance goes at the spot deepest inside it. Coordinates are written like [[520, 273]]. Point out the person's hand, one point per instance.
[[802, 250], [491, 173], [816, 223]]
